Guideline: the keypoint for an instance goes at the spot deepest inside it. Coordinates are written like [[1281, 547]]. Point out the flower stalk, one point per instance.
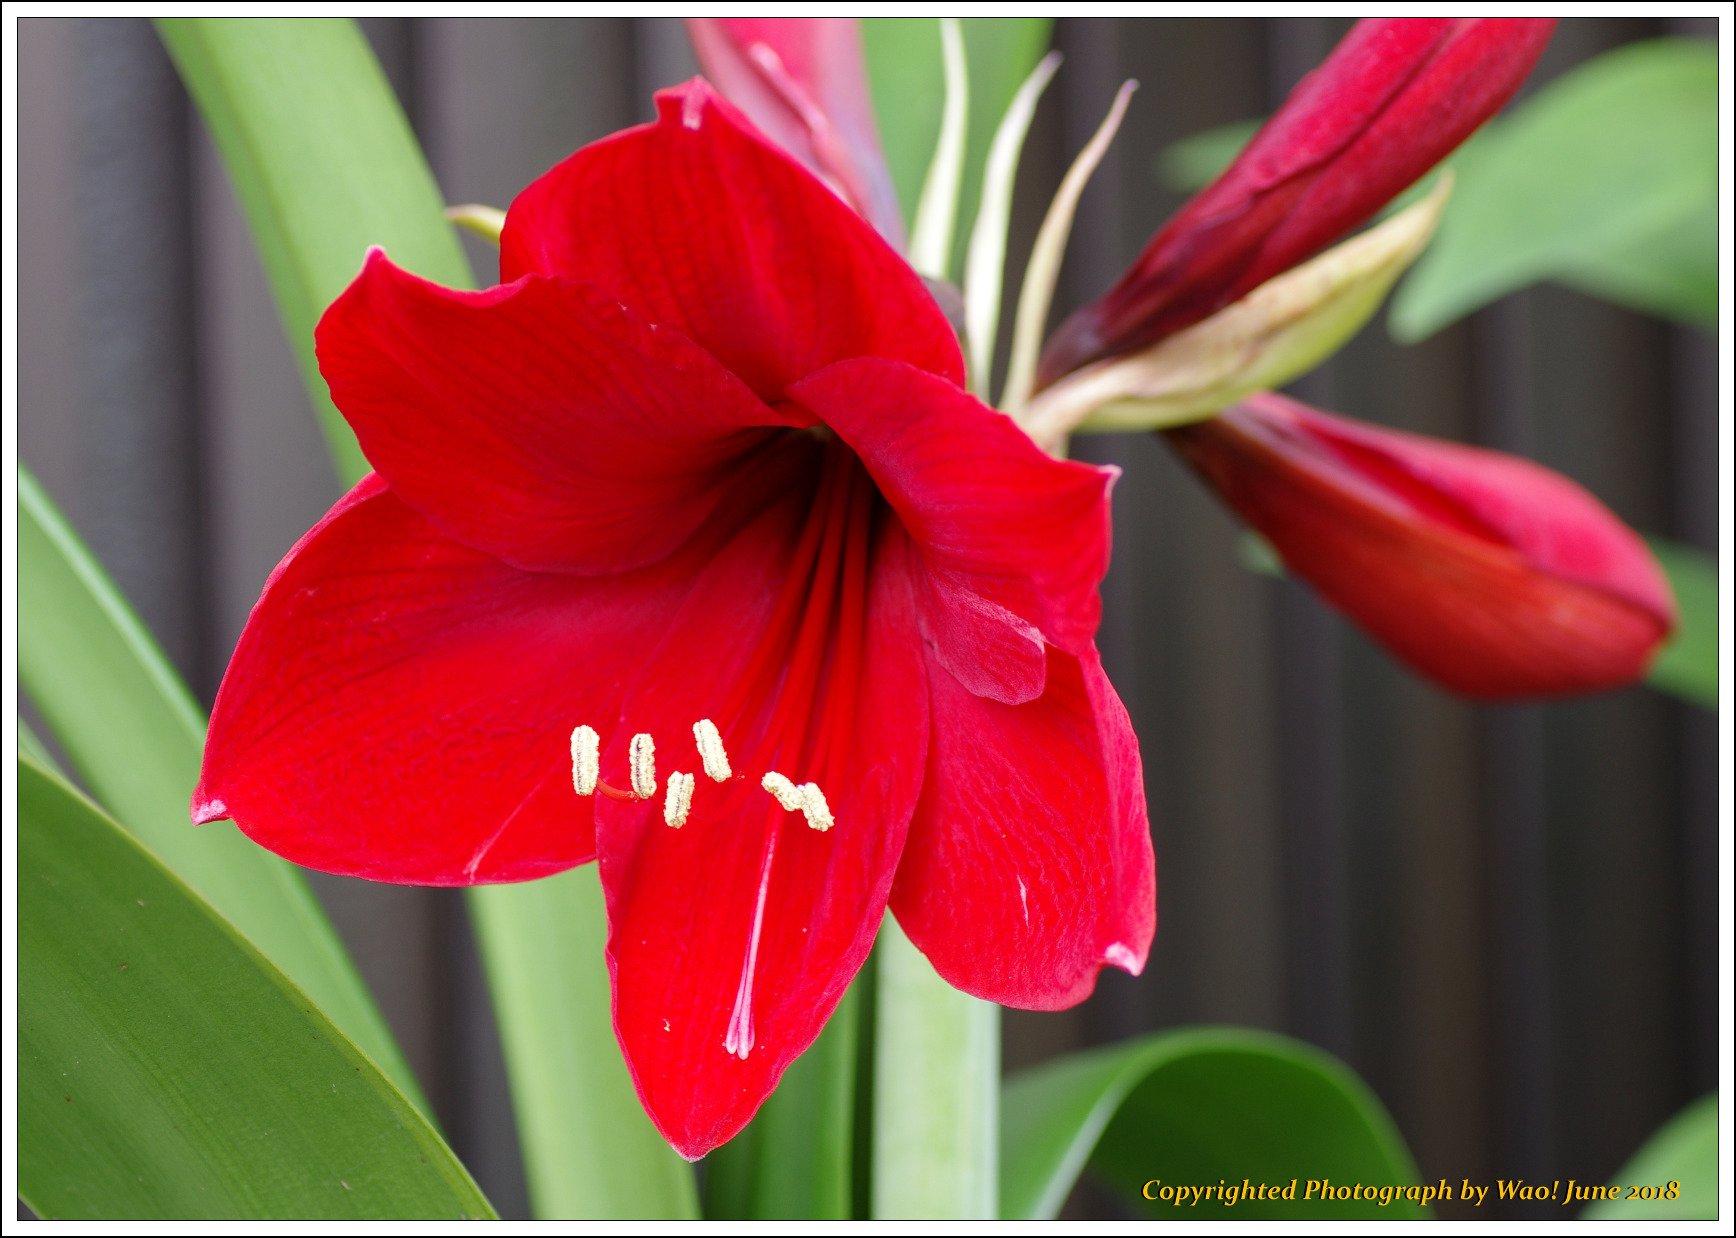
[[936, 1091]]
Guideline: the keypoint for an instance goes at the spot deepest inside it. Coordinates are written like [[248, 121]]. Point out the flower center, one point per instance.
[[792, 705]]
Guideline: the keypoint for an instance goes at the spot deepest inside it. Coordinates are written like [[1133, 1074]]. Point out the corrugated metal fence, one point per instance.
[[1503, 918]]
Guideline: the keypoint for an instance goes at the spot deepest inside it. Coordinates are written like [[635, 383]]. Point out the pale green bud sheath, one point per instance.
[[1276, 333]]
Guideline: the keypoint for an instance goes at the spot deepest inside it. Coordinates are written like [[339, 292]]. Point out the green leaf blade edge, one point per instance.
[[1195, 1106], [135, 736], [168, 1069]]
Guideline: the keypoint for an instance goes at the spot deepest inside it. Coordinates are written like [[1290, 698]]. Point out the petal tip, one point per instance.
[[1120, 955], [208, 808]]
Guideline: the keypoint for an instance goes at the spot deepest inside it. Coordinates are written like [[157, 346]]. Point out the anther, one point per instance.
[[642, 760], [806, 799], [711, 750], [815, 808], [783, 790], [584, 760], [677, 800]]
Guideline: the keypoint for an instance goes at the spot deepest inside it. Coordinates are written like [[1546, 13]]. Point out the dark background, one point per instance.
[[1504, 919]]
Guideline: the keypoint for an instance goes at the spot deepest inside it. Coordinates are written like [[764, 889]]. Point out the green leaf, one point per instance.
[[1683, 1155], [908, 83], [30, 745], [589, 1149], [1688, 666], [1195, 1108], [324, 164], [1194, 162], [135, 735], [1607, 172], [167, 1069], [937, 1065], [795, 1159]]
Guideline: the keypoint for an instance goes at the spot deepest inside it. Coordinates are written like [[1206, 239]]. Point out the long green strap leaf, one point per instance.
[[135, 735], [937, 1065], [1674, 1177], [166, 1068], [324, 164], [1197, 1108], [1606, 179], [589, 1149], [795, 1159], [1688, 666]]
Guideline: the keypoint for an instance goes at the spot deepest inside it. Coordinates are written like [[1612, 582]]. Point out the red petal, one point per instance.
[[682, 902], [1029, 862], [701, 224], [541, 421], [400, 706], [804, 83], [1488, 573], [1393, 99], [1012, 543]]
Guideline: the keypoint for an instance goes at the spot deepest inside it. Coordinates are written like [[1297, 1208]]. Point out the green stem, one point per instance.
[[936, 1091]]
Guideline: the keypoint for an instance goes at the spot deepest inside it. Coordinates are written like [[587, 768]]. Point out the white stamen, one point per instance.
[[711, 750], [584, 760], [677, 800], [815, 808], [642, 760], [783, 790], [806, 799]]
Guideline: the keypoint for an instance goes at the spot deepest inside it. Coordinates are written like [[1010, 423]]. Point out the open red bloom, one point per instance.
[[1490, 574], [1391, 101], [702, 461]]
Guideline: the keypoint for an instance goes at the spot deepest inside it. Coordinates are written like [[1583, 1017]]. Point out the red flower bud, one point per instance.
[[803, 81], [1489, 574], [1393, 99]]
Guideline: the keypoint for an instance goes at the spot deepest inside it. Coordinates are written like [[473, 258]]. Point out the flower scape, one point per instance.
[[688, 552]]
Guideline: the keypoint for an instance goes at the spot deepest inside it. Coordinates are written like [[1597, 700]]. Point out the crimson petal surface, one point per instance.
[[701, 224]]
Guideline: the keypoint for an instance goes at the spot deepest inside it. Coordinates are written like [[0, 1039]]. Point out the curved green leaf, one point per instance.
[[167, 1069], [1199, 1108], [1688, 666], [1683, 1154], [589, 1149], [135, 735], [324, 164], [1606, 179]]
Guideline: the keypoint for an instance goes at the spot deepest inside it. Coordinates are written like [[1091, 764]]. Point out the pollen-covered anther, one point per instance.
[[815, 808], [585, 747], [642, 761], [677, 799], [806, 799], [711, 751]]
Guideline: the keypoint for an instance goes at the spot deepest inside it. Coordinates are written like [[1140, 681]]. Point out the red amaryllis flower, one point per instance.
[[802, 80], [688, 551], [1488, 573], [1393, 99]]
